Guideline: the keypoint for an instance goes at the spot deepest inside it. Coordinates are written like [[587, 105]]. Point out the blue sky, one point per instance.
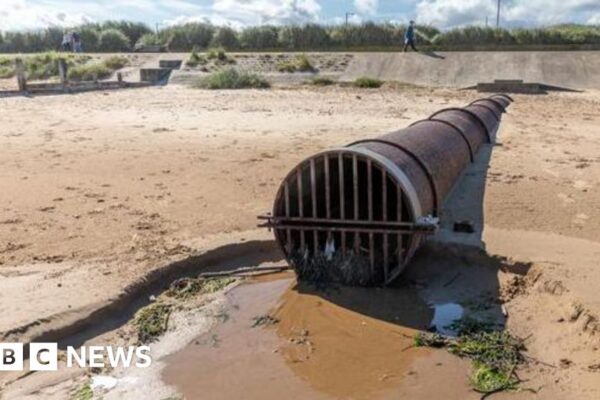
[[34, 14]]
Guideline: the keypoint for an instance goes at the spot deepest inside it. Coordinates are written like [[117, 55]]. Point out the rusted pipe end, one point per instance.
[[357, 214]]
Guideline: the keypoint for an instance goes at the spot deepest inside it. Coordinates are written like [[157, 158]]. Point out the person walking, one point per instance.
[[67, 40], [409, 37], [77, 47]]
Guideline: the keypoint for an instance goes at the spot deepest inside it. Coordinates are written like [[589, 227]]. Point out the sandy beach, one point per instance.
[[99, 190]]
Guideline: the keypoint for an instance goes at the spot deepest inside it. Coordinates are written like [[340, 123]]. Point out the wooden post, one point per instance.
[[21, 77], [120, 78], [62, 71]]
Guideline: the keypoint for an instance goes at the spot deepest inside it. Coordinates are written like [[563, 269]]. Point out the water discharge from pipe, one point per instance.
[[357, 214]]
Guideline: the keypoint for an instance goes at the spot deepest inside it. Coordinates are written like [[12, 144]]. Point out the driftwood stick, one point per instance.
[[245, 270]]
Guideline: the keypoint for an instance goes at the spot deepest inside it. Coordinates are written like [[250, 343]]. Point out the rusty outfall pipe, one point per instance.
[[357, 214]]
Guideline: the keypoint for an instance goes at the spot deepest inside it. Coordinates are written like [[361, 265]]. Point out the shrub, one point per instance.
[[260, 37], [231, 78], [196, 59], [90, 39], [188, 36], [150, 39], [308, 36], [132, 30], [114, 40], [369, 83], [225, 37]]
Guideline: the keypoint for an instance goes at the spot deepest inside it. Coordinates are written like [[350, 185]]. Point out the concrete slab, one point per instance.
[[573, 69]]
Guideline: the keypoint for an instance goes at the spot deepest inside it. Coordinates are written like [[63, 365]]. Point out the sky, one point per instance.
[[36, 14]]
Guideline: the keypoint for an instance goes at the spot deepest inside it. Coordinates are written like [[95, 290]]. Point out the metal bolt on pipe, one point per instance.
[[357, 214]]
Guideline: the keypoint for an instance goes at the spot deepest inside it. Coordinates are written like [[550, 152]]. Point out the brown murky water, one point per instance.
[[341, 343]]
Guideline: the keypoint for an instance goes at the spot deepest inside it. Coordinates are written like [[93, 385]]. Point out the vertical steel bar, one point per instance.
[[370, 214], [313, 195], [355, 196], [288, 232], [372, 255], [300, 206], [327, 188], [327, 193], [355, 184], [370, 189], [342, 199], [384, 216], [399, 217]]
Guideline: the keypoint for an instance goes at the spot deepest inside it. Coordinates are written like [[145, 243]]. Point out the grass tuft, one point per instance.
[[85, 392], [300, 63], [152, 321], [196, 59], [219, 56], [116, 62], [185, 288], [231, 78], [89, 72], [320, 81], [98, 70], [488, 380], [368, 83], [495, 355]]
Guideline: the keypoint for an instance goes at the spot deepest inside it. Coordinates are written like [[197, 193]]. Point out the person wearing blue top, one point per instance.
[[409, 37]]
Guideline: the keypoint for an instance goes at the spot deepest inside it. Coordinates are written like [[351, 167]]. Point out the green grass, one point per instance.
[[320, 81], [300, 63], [97, 70], [485, 379], [85, 392], [45, 65], [152, 321], [116, 62], [196, 59], [231, 78], [89, 72], [368, 83], [495, 355], [216, 284], [218, 55], [188, 287]]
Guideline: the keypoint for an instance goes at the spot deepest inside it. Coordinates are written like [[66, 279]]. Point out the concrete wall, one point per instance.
[[576, 70]]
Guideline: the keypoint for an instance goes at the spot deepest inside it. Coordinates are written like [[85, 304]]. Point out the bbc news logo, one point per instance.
[[44, 356]]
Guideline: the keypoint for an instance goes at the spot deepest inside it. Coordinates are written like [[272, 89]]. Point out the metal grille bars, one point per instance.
[[357, 214]]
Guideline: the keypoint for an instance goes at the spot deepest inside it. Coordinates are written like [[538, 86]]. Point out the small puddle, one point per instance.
[[444, 315], [340, 343]]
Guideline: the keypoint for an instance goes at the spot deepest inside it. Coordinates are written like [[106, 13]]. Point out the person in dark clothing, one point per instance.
[[409, 37]]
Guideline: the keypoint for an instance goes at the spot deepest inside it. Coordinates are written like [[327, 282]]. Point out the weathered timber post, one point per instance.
[[62, 72], [21, 77]]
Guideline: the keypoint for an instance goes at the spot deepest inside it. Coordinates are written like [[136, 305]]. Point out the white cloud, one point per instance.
[[240, 13], [451, 13], [368, 7], [22, 15]]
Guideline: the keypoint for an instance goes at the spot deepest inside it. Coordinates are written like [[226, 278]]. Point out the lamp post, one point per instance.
[[348, 14], [498, 16]]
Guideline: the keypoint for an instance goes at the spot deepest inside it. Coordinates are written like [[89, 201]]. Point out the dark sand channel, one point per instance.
[[342, 343]]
